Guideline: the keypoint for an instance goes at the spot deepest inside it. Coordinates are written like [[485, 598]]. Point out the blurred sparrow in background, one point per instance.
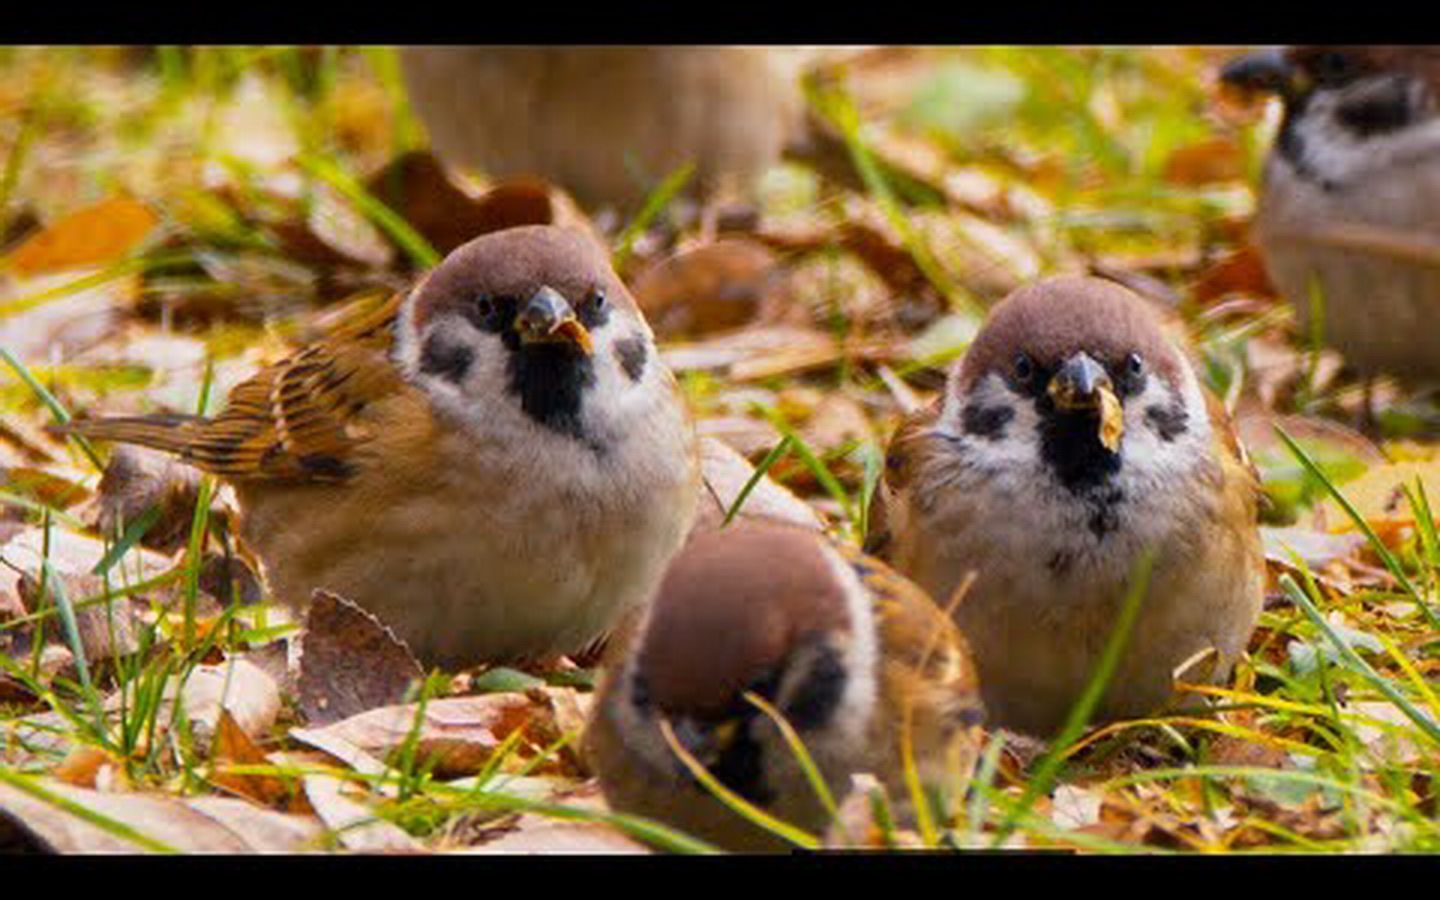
[[607, 123], [1349, 213]]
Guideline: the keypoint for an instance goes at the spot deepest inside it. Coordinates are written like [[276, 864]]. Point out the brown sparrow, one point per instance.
[[495, 463], [1072, 437], [851, 654], [607, 123], [1352, 180]]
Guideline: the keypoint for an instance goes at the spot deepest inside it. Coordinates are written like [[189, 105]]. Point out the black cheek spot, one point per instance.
[[1379, 113], [819, 694], [445, 358], [632, 355], [1169, 422], [986, 422]]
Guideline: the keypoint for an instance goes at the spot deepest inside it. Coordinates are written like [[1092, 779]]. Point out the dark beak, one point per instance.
[[1264, 71], [1078, 384], [548, 318]]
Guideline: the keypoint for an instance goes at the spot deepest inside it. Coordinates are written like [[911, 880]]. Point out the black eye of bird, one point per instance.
[[485, 306], [1134, 365], [1024, 369], [598, 301]]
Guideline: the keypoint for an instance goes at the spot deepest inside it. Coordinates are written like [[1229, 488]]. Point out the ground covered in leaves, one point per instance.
[[171, 219]]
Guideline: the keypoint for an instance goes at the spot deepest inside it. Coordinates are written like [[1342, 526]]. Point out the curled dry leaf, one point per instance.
[[237, 688], [457, 735], [353, 823], [724, 474], [107, 630], [232, 746], [197, 825], [137, 479], [439, 206], [711, 288], [349, 661]]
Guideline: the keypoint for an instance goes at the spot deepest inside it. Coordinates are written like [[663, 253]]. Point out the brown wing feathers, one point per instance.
[[297, 419]]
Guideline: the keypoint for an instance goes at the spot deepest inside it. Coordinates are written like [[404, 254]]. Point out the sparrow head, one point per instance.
[[531, 325], [756, 607], [1073, 380], [1343, 98]]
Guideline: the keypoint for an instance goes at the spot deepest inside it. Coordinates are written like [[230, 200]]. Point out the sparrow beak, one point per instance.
[[1263, 72], [547, 318], [1082, 384]]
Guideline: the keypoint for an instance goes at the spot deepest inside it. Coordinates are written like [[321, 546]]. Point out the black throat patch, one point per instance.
[[551, 380], [1070, 445]]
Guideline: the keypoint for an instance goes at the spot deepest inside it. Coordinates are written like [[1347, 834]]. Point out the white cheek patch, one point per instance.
[[1011, 448], [1338, 155]]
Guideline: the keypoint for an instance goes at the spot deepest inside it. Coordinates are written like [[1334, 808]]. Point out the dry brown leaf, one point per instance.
[[711, 288], [107, 630], [83, 764], [93, 236], [1379, 496], [349, 661], [458, 735], [1230, 750], [353, 823], [46, 487], [1241, 271], [540, 834], [74, 554], [198, 825], [1317, 548], [233, 746], [53, 327], [725, 473], [417, 186], [1209, 161], [236, 689]]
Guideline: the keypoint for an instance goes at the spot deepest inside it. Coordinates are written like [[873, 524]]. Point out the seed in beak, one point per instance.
[[1083, 384]]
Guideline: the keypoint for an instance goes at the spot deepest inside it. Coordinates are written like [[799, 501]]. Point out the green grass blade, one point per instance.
[[742, 807], [386, 219], [57, 410], [132, 535], [99, 820], [801, 754], [771, 458], [1388, 558], [1356, 662], [663, 195]]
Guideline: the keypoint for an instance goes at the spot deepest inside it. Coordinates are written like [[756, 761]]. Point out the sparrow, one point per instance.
[[1349, 207], [495, 462], [853, 656], [607, 123], [1071, 438]]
